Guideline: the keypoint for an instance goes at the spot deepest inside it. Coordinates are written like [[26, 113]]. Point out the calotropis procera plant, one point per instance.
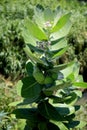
[[50, 90]]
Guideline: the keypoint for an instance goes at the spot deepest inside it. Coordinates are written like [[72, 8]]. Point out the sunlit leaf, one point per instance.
[[59, 67], [61, 44], [80, 84], [35, 30], [58, 12], [39, 16], [61, 22], [28, 38], [15, 103], [62, 32], [59, 53]]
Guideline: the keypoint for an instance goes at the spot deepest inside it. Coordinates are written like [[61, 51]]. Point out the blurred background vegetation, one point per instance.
[[13, 57]]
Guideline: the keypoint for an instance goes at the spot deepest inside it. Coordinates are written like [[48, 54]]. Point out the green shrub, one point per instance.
[[48, 100]]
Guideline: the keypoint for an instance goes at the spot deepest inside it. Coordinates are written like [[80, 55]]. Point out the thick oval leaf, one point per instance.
[[65, 110], [28, 101], [60, 44], [28, 38], [35, 49], [29, 68], [58, 12], [26, 113], [76, 124], [60, 125], [39, 16], [49, 112], [72, 98], [30, 88], [59, 85], [61, 22], [32, 56], [51, 126], [59, 53], [60, 67], [35, 30], [80, 84], [73, 69], [15, 103], [81, 124], [62, 32]]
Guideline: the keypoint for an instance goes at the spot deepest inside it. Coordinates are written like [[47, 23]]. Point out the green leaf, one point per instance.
[[57, 68], [58, 12], [48, 111], [76, 68], [71, 77], [35, 30], [51, 126], [42, 126], [35, 49], [53, 42], [59, 85], [72, 98], [70, 117], [15, 103], [70, 70], [47, 92], [61, 22], [76, 124], [62, 32], [65, 110], [32, 56], [30, 125], [29, 68], [30, 88], [39, 16], [27, 101], [56, 99], [60, 44], [28, 38], [26, 113], [81, 124], [60, 125], [78, 93], [59, 53], [79, 78], [80, 84], [72, 124]]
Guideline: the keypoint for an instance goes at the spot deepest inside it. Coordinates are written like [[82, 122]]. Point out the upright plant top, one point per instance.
[[49, 90]]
